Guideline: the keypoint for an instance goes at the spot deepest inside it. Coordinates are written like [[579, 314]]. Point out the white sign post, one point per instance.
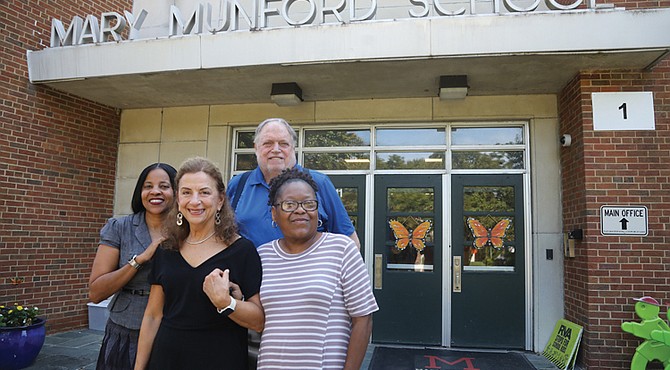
[[623, 220]]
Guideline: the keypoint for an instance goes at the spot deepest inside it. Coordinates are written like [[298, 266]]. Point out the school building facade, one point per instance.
[[506, 163]]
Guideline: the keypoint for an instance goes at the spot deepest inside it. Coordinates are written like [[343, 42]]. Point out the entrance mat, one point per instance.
[[393, 358]]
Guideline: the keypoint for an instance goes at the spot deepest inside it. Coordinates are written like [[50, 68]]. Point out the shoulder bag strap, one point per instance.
[[240, 187]]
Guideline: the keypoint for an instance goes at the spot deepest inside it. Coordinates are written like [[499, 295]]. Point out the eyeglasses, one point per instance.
[[292, 205]]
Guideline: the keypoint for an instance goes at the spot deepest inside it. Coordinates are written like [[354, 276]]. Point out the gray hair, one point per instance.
[[291, 131]]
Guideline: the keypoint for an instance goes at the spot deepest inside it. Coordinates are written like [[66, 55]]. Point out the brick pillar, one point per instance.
[[614, 168]]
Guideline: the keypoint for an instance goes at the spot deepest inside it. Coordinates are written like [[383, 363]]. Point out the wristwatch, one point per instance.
[[132, 262], [229, 309]]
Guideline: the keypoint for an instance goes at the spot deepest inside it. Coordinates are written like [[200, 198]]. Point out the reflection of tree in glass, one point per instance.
[[397, 161], [336, 161], [509, 160], [410, 199], [393, 161], [245, 139], [421, 163], [246, 162], [349, 198], [488, 199], [333, 138], [472, 160]]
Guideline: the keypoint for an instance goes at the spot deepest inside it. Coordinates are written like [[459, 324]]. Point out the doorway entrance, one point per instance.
[[488, 262], [408, 252]]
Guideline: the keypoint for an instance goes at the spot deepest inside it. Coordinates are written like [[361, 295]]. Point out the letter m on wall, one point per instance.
[[195, 23], [61, 38]]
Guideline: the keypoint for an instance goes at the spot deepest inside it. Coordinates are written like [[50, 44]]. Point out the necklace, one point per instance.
[[202, 240]]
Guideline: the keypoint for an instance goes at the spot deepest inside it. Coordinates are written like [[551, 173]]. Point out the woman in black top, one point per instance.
[[192, 320]]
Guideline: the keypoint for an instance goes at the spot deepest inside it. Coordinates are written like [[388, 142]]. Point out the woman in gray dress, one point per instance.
[[122, 264]]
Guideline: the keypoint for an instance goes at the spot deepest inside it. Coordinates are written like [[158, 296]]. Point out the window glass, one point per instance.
[[245, 139], [410, 160], [488, 160], [488, 199], [245, 162], [410, 137], [487, 136], [488, 227], [337, 161], [349, 198], [335, 138], [410, 199]]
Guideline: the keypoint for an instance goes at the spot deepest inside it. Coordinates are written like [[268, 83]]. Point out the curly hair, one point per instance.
[[226, 231], [287, 176]]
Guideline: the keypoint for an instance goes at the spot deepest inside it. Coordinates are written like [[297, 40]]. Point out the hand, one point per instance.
[[148, 253], [236, 291], [217, 286]]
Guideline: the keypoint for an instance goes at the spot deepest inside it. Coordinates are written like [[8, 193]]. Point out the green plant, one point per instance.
[[16, 315]]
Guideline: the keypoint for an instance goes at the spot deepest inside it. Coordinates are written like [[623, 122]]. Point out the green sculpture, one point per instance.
[[662, 335], [648, 308]]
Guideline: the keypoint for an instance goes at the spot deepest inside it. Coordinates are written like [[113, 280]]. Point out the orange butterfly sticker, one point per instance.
[[484, 236], [403, 237]]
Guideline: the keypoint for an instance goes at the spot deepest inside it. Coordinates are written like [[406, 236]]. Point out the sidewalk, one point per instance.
[[76, 350], [72, 350]]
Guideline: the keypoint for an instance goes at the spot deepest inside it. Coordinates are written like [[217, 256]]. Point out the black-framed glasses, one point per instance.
[[292, 205]]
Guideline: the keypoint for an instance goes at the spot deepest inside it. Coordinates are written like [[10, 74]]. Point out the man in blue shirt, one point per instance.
[[274, 143]]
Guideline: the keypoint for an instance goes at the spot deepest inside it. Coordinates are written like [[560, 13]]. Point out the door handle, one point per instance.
[[378, 271], [457, 274]]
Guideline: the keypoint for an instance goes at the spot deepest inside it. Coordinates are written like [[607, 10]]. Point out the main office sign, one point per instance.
[[624, 220]]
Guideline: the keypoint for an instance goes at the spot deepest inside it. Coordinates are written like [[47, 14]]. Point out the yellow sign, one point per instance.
[[563, 344]]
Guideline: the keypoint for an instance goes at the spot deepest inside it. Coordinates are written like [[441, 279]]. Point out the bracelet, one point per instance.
[[229, 309], [132, 262]]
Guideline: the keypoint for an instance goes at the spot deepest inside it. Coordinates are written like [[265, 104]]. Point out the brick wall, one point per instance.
[[615, 168], [57, 166]]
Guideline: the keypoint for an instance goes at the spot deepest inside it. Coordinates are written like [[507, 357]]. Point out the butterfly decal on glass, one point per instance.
[[484, 236], [404, 237]]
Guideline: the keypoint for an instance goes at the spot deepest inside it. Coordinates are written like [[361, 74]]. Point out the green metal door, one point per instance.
[[351, 189], [488, 262], [407, 272]]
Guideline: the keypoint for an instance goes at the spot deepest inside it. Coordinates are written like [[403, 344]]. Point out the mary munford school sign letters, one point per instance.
[[228, 15]]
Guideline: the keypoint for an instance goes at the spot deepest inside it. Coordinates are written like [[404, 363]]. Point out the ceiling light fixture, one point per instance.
[[286, 94], [453, 87]]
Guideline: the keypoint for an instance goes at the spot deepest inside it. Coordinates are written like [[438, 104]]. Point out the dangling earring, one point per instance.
[[217, 218], [274, 224], [180, 219], [319, 224]]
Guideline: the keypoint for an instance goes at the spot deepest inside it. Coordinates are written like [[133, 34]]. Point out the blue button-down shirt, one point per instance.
[[255, 219]]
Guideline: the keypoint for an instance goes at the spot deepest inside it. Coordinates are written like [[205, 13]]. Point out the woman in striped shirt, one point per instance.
[[315, 291]]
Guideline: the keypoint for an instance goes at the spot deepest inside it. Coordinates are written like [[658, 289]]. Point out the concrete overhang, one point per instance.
[[501, 54]]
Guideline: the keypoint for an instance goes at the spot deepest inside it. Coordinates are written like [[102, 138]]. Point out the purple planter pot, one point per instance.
[[20, 346]]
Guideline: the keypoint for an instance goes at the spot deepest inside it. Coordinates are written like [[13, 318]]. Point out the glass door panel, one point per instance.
[[408, 259]]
